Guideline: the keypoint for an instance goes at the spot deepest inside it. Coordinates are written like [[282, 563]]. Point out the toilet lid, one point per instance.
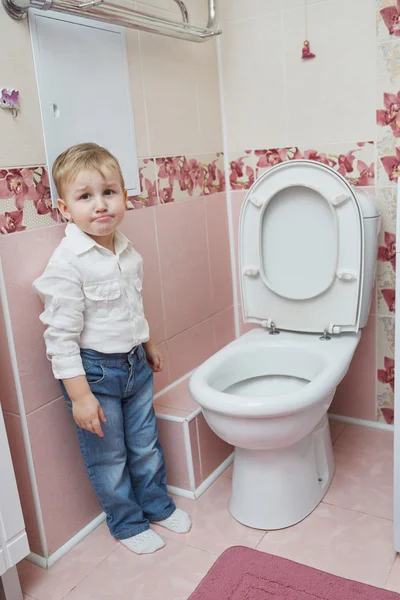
[[301, 250]]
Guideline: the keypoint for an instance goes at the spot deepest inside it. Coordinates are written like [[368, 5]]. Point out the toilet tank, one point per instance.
[[372, 225]]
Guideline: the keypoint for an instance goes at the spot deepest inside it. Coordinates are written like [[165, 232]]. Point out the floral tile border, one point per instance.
[[387, 19], [356, 162], [25, 201], [386, 366], [174, 178], [388, 61], [386, 267]]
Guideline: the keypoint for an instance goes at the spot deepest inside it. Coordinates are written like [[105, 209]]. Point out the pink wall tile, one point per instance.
[[219, 252], [194, 444], [178, 397], [161, 380], [190, 348], [24, 257], [182, 241], [213, 450], [67, 499], [139, 227], [17, 448], [224, 327], [171, 437], [8, 396], [356, 395]]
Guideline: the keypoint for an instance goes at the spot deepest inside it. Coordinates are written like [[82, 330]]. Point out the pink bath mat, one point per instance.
[[246, 574]]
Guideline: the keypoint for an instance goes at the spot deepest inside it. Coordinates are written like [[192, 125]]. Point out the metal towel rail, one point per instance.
[[123, 13]]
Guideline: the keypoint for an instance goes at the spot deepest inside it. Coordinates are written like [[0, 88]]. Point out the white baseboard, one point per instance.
[[46, 563], [362, 422]]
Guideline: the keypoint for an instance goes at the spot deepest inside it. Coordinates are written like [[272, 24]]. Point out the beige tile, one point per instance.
[[214, 529], [366, 439], [393, 581], [363, 482], [171, 574], [326, 101], [253, 79], [23, 142], [338, 541], [55, 583]]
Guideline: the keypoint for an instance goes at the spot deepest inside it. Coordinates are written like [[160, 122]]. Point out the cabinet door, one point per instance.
[[84, 91], [13, 541]]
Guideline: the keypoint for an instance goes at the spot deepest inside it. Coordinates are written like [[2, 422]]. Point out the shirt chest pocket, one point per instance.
[[103, 298]]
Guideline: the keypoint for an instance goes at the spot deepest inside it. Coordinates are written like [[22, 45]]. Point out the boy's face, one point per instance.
[[96, 203]]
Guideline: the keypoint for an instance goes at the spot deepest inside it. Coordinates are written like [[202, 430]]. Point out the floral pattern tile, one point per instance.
[[388, 61], [386, 366], [25, 201], [387, 19], [355, 163], [182, 177], [148, 186], [386, 267]]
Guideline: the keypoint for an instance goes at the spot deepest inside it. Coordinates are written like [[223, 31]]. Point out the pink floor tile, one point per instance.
[[338, 541], [228, 472], [362, 482], [367, 440], [56, 582], [393, 581], [214, 529], [172, 573], [336, 428]]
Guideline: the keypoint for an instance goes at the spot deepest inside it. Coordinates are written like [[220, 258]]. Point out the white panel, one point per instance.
[[84, 88], [306, 246]]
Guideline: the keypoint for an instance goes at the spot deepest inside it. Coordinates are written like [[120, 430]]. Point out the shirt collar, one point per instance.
[[81, 242]]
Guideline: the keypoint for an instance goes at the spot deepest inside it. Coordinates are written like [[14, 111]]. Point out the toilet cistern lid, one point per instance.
[[301, 250]]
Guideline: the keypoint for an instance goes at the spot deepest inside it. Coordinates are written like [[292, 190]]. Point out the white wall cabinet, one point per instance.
[[84, 88], [13, 539]]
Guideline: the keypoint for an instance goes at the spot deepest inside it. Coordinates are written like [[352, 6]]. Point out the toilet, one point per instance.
[[307, 257]]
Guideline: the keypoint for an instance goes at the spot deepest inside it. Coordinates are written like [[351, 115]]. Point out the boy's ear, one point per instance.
[[126, 196], [63, 208]]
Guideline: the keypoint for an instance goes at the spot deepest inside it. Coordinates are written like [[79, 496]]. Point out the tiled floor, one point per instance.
[[349, 534]]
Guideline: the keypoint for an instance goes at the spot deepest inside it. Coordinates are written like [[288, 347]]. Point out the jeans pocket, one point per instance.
[[95, 372]]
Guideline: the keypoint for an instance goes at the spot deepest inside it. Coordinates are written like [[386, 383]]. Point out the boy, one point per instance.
[[97, 339]]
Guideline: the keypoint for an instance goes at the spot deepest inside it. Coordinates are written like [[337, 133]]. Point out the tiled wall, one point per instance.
[[181, 232], [279, 107]]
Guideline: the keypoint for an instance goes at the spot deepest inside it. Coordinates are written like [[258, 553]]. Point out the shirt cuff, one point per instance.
[[66, 367]]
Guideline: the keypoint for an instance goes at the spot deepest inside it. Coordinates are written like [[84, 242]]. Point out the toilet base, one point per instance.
[[274, 489]]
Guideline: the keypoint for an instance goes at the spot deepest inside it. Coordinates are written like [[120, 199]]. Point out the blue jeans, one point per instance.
[[126, 466]]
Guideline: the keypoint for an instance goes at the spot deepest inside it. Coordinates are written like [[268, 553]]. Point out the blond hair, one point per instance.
[[83, 157]]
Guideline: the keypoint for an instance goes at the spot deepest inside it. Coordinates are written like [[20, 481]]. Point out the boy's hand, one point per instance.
[[88, 414], [154, 357]]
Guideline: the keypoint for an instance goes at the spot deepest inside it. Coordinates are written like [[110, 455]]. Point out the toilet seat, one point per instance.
[[301, 250], [321, 365]]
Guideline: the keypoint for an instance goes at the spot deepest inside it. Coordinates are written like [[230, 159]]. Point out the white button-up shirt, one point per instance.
[[92, 299]]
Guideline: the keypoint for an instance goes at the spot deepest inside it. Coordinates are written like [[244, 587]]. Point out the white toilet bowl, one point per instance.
[[307, 258], [268, 395]]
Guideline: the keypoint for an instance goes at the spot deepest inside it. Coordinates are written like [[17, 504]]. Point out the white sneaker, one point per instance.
[[179, 522], [144, 543]]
